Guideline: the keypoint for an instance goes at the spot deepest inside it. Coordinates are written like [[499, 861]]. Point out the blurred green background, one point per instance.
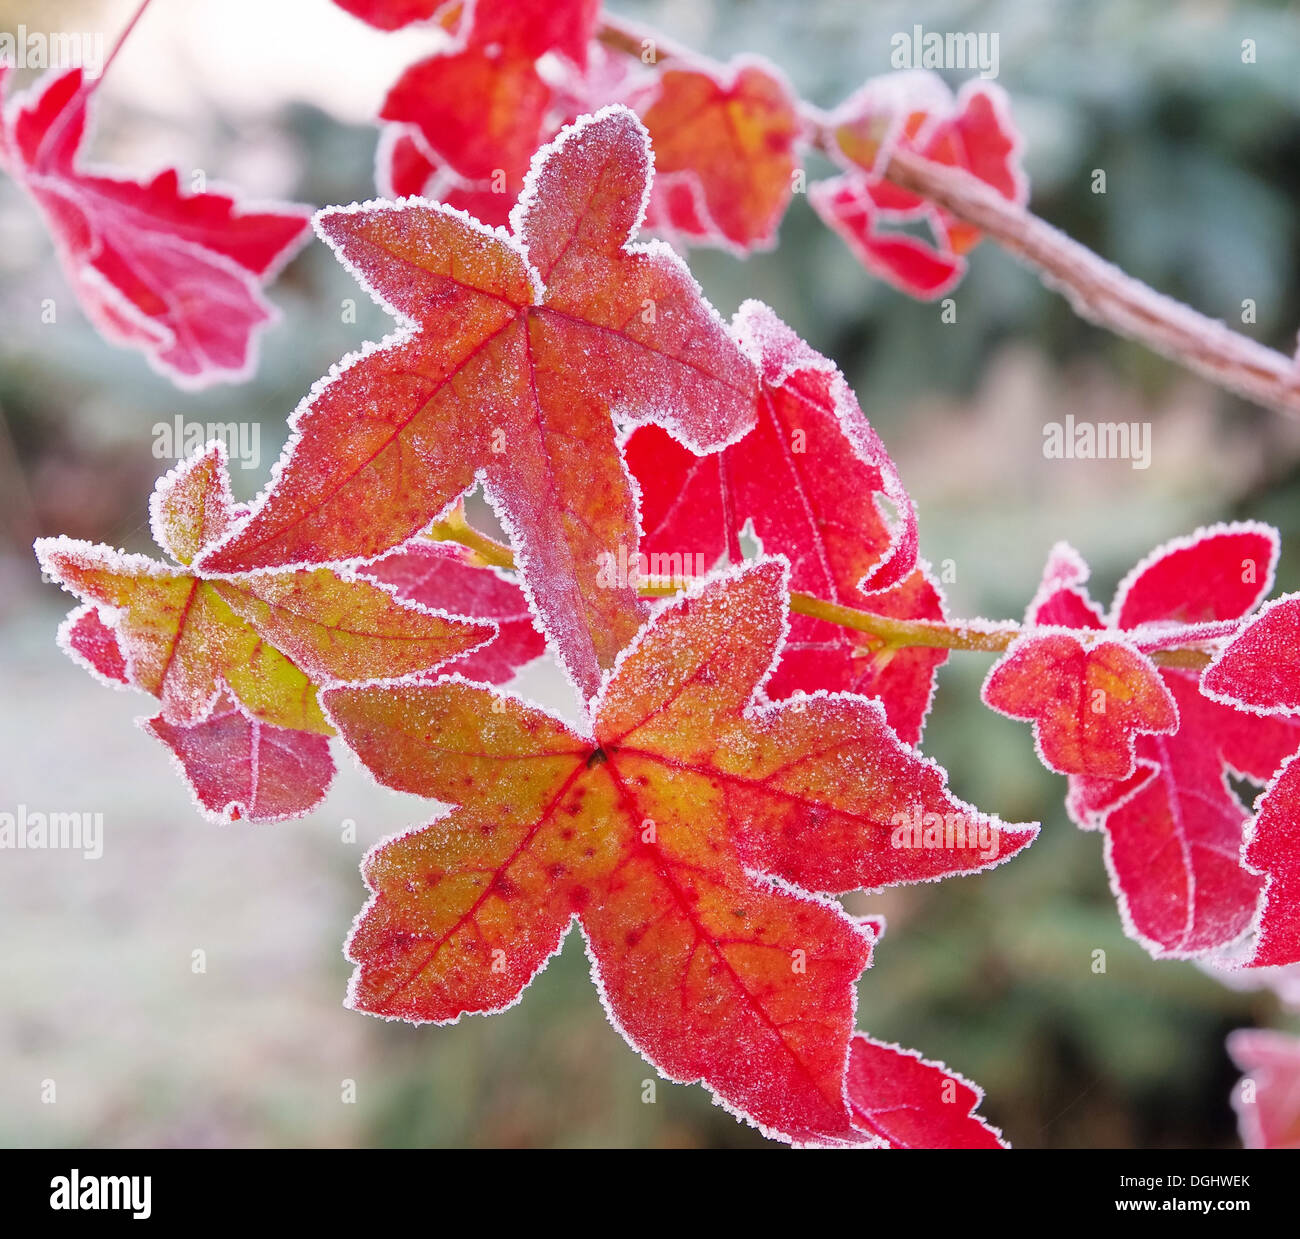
[[992, 973]]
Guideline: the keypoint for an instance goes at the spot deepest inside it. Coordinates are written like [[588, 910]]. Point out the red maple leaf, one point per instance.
[[908, 1102], [813, 478], [1259, 669], [727, 141], [1086, 702], [394, 14], [177, 276], [405, 167], [684, 832], [1267, 1100], [237, 766], [442, 576], [1174, 826], [728, 138], [487, 385], [525, 25], [481, 107], [88, 639], [241, 767], [1258, 672], [915, 111], [236, 663], [1273, 851]]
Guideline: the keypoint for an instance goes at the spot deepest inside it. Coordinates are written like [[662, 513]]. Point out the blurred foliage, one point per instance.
[[994, 973]]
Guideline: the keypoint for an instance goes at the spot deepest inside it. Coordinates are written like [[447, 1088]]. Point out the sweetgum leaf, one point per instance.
[[1257, 672], [405, 167], [90, 641], [1174, 827], [177, 276], [237, 662], [813, 479], [1174, 845], [1062, 599], [392, 14], [916, 112], [1086, 702], [181, 640], [479, 110], [481, 107], [727, 140], [524, 26], [1273, 851], [440, 575], [564, 26], [1221, 573], [526, 347], [684, 832], [909, 263]]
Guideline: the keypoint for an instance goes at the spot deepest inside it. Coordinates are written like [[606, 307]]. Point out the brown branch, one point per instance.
[[1102, 293], [1097, 290]]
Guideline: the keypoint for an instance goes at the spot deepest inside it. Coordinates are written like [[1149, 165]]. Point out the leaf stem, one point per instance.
[[86, 89], [487, 552], [889, 633]]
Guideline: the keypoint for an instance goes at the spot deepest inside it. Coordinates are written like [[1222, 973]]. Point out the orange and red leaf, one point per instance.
[[688, 833]]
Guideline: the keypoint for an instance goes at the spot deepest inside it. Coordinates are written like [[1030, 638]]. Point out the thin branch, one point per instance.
[[888, 633], [1103, 294], [1097, 290]]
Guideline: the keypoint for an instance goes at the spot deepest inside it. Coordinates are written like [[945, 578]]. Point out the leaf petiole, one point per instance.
[[891, 633]]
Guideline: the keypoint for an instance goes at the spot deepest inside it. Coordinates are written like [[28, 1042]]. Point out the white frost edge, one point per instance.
[[1203, 533], [943, 1067], [1237, 703]]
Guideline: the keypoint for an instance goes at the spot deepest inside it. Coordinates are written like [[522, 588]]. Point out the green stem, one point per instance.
[[889, 633]]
